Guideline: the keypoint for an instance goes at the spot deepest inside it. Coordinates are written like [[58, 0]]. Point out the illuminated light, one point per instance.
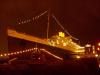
[[42, 49], [93, 52], [11, 53], [14, 52], [78, 57], [61, 34], [88, 45], [62, 41], [99, 44], [81, 47], [5, 54], [23, 51], [93, 47], [52, 43], [8, 53], [1, 55], [32, 48], [19, 23], [96, 55], [64, 44], [34, 18], [77, 51], [17, 52], [26, 50], [70, 40], [20, 51], [35, 48], [39, 58], [22, 22], [98, 48], [99, 65]]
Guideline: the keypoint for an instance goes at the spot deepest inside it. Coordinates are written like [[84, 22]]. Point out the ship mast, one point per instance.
[[48, 24]]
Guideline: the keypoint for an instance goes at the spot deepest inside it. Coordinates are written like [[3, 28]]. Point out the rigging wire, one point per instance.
[[63, 27], [34, 18], [48, 24]]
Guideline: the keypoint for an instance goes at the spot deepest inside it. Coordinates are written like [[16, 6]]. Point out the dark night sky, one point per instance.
[[80, 17]]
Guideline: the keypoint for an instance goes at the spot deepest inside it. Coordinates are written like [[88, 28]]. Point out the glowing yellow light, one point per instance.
[[32, 48], [1, 55], [61, 34], [42, 49], [14, 52], [5, 54], [96, 55], [23, 51], [99, 44], [77, 51], [8, 53], [93, 52], [17, 52], [53, 43], [78, 57], [64, 44], [35, 48], [98, 48], [58, 42], [88, 45], [99, 65], [11, 53]]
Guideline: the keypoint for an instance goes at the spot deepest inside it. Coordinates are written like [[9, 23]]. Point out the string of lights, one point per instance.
[[17, 52], [29, 50], [33, 19]]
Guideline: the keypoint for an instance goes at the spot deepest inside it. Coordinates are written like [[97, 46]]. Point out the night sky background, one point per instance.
[[80, 17]]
